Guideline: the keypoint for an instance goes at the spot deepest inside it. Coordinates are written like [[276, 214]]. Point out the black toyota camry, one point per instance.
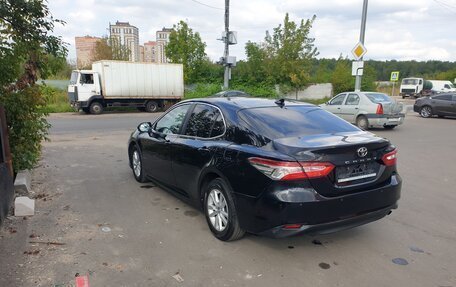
[[268, 167]]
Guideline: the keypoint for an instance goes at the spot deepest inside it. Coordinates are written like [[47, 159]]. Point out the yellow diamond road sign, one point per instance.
[[359, 51]]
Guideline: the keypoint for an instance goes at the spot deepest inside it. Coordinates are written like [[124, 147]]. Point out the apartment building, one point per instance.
[[122, 33], [162, 40], [85, 50], [150, 52]]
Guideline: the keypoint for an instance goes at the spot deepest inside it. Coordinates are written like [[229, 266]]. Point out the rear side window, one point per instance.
[[443, 97], [378, 98], [219, 126], [292, 121], [352, 100], [205, 122]]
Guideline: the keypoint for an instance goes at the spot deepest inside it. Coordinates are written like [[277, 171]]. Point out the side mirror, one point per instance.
[[144, 127]]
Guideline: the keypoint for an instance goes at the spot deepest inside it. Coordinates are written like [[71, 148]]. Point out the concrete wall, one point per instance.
[[314, 92]]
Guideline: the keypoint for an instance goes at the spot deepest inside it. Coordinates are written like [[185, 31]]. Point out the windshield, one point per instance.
[[377, 98], [451, 86], [74, 78], [292, 121], [410, 82]]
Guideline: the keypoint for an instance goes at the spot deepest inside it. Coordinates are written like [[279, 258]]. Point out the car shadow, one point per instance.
[[309, 240]]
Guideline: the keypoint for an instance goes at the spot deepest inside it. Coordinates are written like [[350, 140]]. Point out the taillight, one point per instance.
[[291, 170], [390, 159], [379, 109], [317, 169]]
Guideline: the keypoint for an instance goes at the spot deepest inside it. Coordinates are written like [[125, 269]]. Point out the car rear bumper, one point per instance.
[[330, 227], [269, 214], [385, 120]]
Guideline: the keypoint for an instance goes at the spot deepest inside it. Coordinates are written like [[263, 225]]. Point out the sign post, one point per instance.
[[359, 49], [394, 78]]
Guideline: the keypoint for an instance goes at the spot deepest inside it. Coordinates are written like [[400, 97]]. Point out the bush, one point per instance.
[[202, 90], [27, 125], [56, 100], [259, 90]]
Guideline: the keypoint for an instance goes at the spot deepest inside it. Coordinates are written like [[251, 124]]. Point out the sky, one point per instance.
[[396, 29]]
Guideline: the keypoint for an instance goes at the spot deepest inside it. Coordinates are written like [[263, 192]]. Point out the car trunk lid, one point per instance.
[[355, 155], [392, 108]]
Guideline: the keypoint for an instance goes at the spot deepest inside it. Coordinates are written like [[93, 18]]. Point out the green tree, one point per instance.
[[26, 50], [111, 49], [291, 50], [342, 80], [186, 47], [256, 70], [368, 79]]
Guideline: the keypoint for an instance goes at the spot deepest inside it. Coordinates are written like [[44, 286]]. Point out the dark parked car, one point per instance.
[[267, 167], [440, 105]]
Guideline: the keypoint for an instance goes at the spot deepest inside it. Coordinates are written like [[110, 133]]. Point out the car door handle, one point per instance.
[[338, 108], [356, 108]]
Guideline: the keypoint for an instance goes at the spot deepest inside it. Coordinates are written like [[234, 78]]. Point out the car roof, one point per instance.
[[243, 102]]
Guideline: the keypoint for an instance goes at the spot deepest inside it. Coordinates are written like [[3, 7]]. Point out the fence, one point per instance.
[[6, 169]]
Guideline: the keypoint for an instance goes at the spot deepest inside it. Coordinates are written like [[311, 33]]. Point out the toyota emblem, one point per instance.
[[362, 151]]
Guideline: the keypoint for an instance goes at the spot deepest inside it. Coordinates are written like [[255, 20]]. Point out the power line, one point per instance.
[[209, 6], [446, 5]]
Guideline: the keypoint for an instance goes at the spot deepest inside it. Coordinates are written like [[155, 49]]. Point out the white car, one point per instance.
[[366, 109]]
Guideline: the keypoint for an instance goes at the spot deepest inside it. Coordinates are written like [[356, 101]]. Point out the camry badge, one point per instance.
[[362, 151]]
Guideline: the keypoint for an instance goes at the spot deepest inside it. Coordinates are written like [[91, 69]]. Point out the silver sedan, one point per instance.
[[367, 109]]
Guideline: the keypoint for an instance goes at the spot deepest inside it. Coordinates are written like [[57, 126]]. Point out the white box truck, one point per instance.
[[415, 87], [146, 86]]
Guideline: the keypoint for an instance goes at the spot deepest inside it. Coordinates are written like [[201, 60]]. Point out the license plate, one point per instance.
[[355, 172]]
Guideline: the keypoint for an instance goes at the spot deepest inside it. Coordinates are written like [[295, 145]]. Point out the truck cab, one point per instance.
[[411, 87], [83, 88]]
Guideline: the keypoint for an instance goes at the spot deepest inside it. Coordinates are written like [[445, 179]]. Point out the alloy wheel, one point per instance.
[[136, 163], [426, 112], [217, 209]]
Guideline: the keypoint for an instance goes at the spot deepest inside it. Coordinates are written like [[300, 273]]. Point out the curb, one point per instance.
[[23, 182]]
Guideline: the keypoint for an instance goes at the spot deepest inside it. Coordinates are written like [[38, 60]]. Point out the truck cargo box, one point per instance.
[[140, 80]]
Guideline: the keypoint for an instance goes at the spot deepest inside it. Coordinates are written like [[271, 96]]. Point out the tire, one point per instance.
[[390, 127], [219, 206], [403, 97], [96, 108], [426, 112], [152, 106], [137, 165], [362, 122]]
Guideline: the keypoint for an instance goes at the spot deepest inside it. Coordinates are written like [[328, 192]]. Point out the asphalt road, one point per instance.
[[85, 185], [82, 124]]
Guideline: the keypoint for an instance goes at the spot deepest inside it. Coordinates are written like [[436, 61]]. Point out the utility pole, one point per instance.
[[226, 77], [361, 39]]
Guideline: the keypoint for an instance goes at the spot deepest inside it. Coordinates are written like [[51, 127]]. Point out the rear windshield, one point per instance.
[[292, 121], [377, 98]]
